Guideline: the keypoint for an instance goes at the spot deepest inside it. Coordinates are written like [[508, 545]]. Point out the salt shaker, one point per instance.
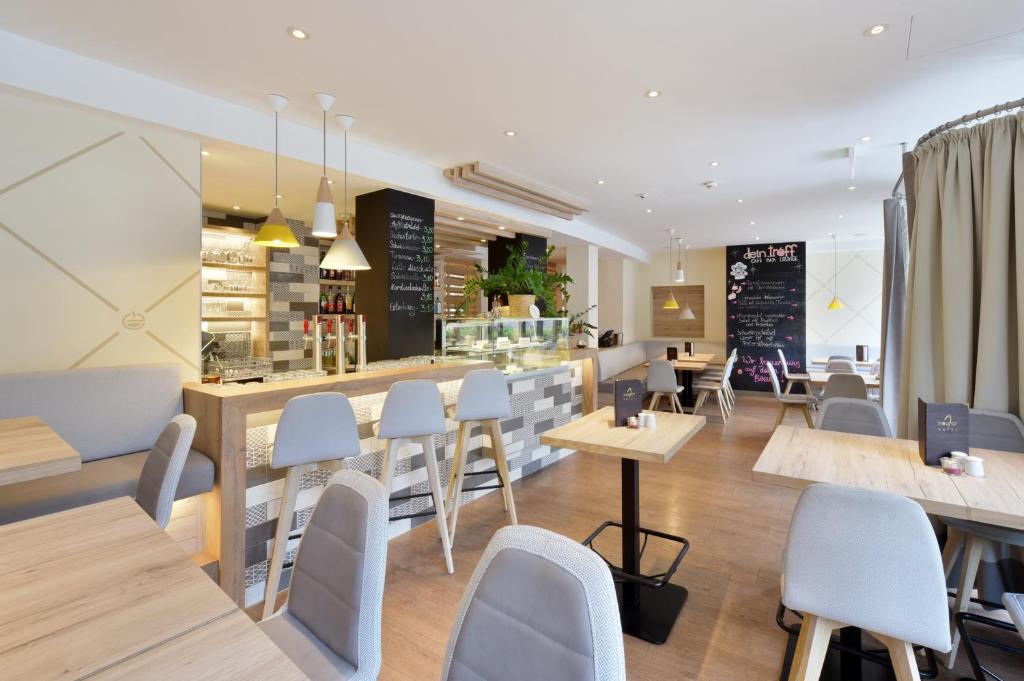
[[974, 466]]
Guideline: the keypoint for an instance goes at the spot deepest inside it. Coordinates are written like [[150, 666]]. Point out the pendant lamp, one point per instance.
[[835, 303], [687, 312], [670, 303], [344, 253], [275, 231], [325, 224], [680, 272]]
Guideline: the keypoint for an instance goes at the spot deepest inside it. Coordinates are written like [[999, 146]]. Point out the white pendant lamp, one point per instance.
[[344, 253], [670, 303], [275, 232], [325, 224], [835, 303], [687, 312], [680, 272]]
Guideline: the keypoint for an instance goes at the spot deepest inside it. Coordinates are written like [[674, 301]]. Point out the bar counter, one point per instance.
[[237, 423]]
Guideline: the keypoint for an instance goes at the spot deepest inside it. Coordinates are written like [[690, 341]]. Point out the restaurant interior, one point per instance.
[[701, 325]]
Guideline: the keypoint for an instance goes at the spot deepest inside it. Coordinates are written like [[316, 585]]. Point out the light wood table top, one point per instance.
[[862, 364], [85, 589], [821, 378], [597, 434], [799, 457], [29, 449], [687, 363]]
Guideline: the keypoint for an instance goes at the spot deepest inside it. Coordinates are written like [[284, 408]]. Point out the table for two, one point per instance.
[[648, 604], [686, 366]]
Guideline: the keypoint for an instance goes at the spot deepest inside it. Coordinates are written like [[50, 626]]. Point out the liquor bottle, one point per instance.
[[339, 302], [437, 305], [349, 307], [323, 302]]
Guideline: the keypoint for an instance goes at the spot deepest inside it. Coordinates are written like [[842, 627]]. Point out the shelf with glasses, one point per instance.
[[234, 294], [228, 318], [337, 282], [234, 266]]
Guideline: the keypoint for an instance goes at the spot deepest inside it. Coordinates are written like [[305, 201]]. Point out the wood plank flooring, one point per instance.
[[727, 629]]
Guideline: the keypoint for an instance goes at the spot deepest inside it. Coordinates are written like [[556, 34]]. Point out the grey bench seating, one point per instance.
[[112, 416]]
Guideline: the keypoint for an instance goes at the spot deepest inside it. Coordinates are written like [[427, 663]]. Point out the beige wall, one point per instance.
[[707, 268], [99, 240]]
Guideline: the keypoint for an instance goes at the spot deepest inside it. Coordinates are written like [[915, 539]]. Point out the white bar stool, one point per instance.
[[313, 428], [413, 413], [483, 400]]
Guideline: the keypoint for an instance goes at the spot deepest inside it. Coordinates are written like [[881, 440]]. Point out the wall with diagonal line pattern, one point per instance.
[[859, 287], [100, 223]]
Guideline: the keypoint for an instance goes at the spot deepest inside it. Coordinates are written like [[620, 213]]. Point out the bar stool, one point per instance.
[[313, 428], [661, 380], [413, 414], [483, 400]]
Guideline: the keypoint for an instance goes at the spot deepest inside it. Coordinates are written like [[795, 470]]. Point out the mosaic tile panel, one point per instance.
[[294, 290]]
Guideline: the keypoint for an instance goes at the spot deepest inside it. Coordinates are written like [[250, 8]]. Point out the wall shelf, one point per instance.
[[233, 319], [234, 266], [229, 294], [337, 282]]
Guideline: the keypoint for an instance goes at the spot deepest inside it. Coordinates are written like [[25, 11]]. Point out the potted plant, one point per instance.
[[581, 328], [521, 284]]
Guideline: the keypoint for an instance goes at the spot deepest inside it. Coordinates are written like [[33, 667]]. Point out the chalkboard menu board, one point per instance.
[[396, 232], [765, 310]]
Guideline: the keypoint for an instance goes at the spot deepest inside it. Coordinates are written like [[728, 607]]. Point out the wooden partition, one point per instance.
[[666, 323]]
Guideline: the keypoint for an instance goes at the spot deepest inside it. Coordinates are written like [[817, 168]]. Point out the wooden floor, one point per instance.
[[726, 631]]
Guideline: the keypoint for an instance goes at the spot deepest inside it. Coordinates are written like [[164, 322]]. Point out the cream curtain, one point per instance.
[[963, 340]]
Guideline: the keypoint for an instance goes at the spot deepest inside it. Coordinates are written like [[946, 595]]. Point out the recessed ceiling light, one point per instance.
[[483, 241], [752, 223], [713, 164], [297, 33], [865, 138], [861, 234], [739, 200], [852, 187], [280, 196], [330, 181], [651, 94], [501, 227], [840, 216], [510, 133], [236, 208], [600, 181], [648, 210], [757, 238], [460, 218], [204, 152], [877, 29]]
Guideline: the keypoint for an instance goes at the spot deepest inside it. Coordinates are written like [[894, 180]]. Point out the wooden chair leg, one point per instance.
[[655, 399], [721, 406], [462, 454], [904, 663], [671, 403], [954, 541], [498, 445], [789, 386], [973, 547], [277, 551], [782, 414], [430, 459], [806, 409], [811, 646], [387, 472], [678, 404], [456, 463]]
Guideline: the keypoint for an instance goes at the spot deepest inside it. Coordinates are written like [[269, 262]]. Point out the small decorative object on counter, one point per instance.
[[688, 348], [951, 466], [941, 428], [671, 353], [974, 466], [629, 395], [632, 422], [862, 353]]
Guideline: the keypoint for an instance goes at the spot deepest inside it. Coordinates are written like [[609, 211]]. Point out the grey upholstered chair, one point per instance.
[[538, 606], [313, 428], [162, 470], [845, 385], [791, 378], [330, 625], [851, 415], [661, 380], [840, 365], [413, 414], [866, 559], [790, 401], [483, 400], [988, 430]]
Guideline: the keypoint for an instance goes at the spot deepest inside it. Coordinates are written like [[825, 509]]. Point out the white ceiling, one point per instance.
[[774, 91]]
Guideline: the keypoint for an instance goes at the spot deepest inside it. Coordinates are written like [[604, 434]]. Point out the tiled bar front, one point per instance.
[[540, 400]]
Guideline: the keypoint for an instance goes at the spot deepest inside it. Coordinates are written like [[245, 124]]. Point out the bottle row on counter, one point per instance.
[[337, 301], [338, 275]]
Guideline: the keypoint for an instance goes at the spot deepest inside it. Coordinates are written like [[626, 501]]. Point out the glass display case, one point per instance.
[[514, 345]]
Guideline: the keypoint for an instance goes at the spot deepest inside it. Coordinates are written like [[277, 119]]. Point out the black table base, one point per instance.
[[648, 604]]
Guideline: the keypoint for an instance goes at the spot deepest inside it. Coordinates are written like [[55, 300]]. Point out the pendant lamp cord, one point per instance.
[[325, 142], [835, 266], [344, 208], [276, 192]]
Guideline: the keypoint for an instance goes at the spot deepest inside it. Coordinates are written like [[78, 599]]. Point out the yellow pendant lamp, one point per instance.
[[275, 232], [835, 303], [671, 303]]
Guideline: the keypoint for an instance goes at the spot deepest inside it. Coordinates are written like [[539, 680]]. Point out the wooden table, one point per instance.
[[29, 449], [88, 590], [860, 364], [648, 605], [686, 366], [798, 457], [820, 378]]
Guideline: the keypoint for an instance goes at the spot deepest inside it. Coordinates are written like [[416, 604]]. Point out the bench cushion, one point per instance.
[[97, 481], [100, 412], [613, 361]]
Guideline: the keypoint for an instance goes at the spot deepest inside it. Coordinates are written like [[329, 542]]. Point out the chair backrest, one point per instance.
[[661, 377], [851, 415], [727, 370], [483, 395], [775, 380], [867, 559], [847, 357], [538, 606], [785, 364], [101, 412], [996, 430], [846, 385], [412, 409], [337, 584], [840, 366], [162, 470], [315, 427]]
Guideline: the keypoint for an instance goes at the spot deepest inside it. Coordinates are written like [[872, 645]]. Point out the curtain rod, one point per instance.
[[967, 118]]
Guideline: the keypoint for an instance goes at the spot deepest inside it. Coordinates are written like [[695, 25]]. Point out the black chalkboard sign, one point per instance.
[[766, 310]]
